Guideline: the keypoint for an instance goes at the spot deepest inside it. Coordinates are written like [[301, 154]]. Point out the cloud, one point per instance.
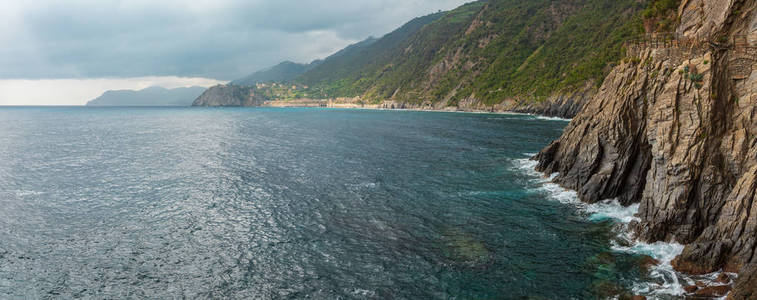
[[79, 91], [223, 39]]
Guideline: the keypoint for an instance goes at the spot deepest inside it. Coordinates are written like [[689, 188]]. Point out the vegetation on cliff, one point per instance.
[[673, 129], [488, 50], [283, 72], [482, 53], [661, 15]]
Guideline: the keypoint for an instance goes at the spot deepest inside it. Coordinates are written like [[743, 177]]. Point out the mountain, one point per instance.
[[244, 92], [485, 54], [674, 129], [283, 72], [539, 56], [152, 96]]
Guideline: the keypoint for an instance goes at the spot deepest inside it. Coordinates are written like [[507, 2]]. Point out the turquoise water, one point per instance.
[[292, 203]]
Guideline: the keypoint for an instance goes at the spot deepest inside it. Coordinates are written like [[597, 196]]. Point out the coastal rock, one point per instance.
[[723, 278], [713, 291], [648, 262], [745, 286], [690, 289], [561, 105], [674, 128], [230, 95]]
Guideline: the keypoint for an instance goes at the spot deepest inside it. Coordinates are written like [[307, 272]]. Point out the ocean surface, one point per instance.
[[262, 203]]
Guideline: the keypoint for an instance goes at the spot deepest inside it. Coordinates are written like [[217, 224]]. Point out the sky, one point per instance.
[[68, 52]]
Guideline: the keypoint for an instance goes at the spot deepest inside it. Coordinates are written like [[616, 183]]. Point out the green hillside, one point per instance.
[[283, 72], [491, 49]]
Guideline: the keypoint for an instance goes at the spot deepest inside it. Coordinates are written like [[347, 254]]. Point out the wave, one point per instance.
[[613, 210], [538, 117], [665, 281], [25, 193]]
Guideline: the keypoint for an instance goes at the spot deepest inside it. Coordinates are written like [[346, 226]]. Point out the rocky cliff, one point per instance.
[[230, 95], [674, 128]]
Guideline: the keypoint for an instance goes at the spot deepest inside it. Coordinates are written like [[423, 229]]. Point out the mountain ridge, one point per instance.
[[488, 55], [151, 96], [283, 72]]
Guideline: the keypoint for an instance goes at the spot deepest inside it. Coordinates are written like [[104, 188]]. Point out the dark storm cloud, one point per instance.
[[221, 39]]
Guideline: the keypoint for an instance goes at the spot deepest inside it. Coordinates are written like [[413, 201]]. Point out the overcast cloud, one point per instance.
[[219, 39]]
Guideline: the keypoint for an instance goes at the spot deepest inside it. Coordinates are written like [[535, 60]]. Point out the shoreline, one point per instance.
[[663, 253], [347, 103], [379, 108]]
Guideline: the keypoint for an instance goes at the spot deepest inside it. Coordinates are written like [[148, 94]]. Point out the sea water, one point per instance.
[[295, 203]]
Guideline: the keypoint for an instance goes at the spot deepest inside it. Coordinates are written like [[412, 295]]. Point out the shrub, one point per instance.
[[696, 77]]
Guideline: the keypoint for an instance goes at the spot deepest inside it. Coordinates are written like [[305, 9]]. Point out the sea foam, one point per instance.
[[551, 118], [665, 280]]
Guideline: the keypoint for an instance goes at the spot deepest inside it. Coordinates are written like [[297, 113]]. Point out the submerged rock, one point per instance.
[[647, 262], [745, 287], [690, 289], [466, 249], [713, 291], [723, 278]]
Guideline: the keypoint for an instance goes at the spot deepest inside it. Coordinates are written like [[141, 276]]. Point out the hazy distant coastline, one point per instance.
[[152, 96]]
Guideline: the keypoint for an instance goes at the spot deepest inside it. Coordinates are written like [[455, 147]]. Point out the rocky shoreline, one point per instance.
[[673, 128], [559, 106]]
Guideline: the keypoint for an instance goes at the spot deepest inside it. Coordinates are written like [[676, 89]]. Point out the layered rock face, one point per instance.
[[229, 95], [561, 105], [675, 128]]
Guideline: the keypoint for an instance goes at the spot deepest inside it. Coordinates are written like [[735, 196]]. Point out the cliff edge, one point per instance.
[[674, 128], [230, 95]]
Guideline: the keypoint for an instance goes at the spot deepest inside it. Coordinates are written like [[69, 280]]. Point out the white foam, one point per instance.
[[612, 209], [538, 117], [24, 193], [561, 194], [527, 165], [665, 280], [363, 292]]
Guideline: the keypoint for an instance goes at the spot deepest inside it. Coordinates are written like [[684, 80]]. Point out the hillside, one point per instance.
[[486, 52], [152, 96], [539, 56], [283, 72]]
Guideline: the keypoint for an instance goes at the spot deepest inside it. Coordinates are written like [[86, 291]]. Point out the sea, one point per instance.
[[303, 203]]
